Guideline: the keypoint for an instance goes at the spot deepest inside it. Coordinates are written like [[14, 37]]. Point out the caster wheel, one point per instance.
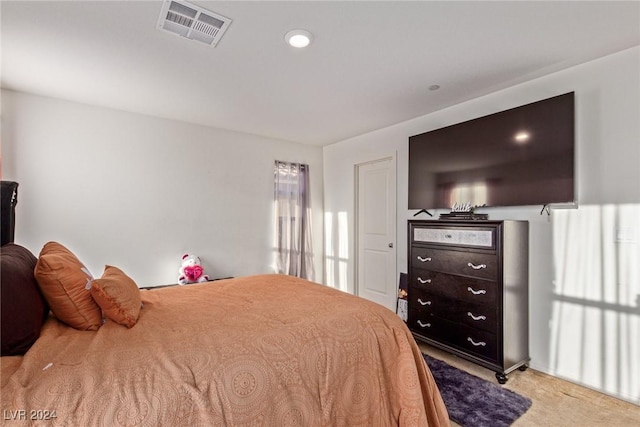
[[523, 368], [502, 378]]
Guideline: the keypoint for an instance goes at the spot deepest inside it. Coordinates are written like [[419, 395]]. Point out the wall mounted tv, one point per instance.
[[518, 157]]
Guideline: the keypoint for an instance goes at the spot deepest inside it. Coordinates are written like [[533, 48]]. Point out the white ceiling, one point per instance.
[[370, 66]]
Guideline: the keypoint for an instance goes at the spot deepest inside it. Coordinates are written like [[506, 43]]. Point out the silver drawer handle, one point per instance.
[[480, 292], [424, 325], [476, 317], [477, 267], [477, 344], [424, 259], [424, 302], [423, 281]]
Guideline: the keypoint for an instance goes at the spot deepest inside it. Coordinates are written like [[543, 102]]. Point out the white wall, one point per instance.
[[608, 178], [137, 192]]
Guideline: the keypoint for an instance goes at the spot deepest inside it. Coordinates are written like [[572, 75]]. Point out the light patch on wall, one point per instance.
[[595, 325], [336, 250]]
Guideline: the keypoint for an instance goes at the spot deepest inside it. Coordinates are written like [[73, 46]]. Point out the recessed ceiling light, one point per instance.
[[298, 38], [434, 87]]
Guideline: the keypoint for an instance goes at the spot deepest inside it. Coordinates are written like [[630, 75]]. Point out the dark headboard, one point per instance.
[[9, 196]]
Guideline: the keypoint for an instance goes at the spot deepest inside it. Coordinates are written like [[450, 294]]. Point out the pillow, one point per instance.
[[118, 296], [23, 309], [63, 280]]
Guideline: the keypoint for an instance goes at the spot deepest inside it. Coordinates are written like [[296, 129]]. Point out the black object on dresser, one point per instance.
[[9, 196], [469, 292]]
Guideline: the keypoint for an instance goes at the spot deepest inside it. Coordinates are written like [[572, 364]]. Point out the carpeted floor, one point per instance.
[[473, 401], [556, 403]]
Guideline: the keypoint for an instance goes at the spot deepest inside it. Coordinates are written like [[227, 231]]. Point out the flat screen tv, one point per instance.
[[518, 157]]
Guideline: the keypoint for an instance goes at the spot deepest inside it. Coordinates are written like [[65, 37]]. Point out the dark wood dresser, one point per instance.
[[468, 290]]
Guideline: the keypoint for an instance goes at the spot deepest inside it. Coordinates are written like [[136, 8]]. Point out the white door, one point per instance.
[[376, 231]]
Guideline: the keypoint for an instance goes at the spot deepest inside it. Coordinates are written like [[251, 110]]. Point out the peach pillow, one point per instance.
[[63, 281], [118, 296]]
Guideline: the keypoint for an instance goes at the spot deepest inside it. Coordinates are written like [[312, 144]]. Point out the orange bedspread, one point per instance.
[[264, 350]]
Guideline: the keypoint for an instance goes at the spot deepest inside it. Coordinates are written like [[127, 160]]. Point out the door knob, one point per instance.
[[390, 245]]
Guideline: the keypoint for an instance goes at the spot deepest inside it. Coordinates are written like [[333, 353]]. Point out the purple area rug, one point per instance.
[[474, 402]]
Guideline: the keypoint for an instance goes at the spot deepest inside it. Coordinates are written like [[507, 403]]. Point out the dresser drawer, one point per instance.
[[470, 340], [427, 305], [429, 326], [480, 237], [472, 264], [461, 288], [478, 342]]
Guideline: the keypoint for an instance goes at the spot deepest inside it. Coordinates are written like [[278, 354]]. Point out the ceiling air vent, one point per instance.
[[192, 22]]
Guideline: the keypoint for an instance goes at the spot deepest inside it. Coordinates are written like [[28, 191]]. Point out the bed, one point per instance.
[[265, 350]]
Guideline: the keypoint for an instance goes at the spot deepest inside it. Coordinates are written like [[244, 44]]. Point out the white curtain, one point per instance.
[[294, 251]]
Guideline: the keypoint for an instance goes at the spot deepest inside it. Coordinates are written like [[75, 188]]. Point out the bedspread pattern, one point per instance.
[[266, 350]]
